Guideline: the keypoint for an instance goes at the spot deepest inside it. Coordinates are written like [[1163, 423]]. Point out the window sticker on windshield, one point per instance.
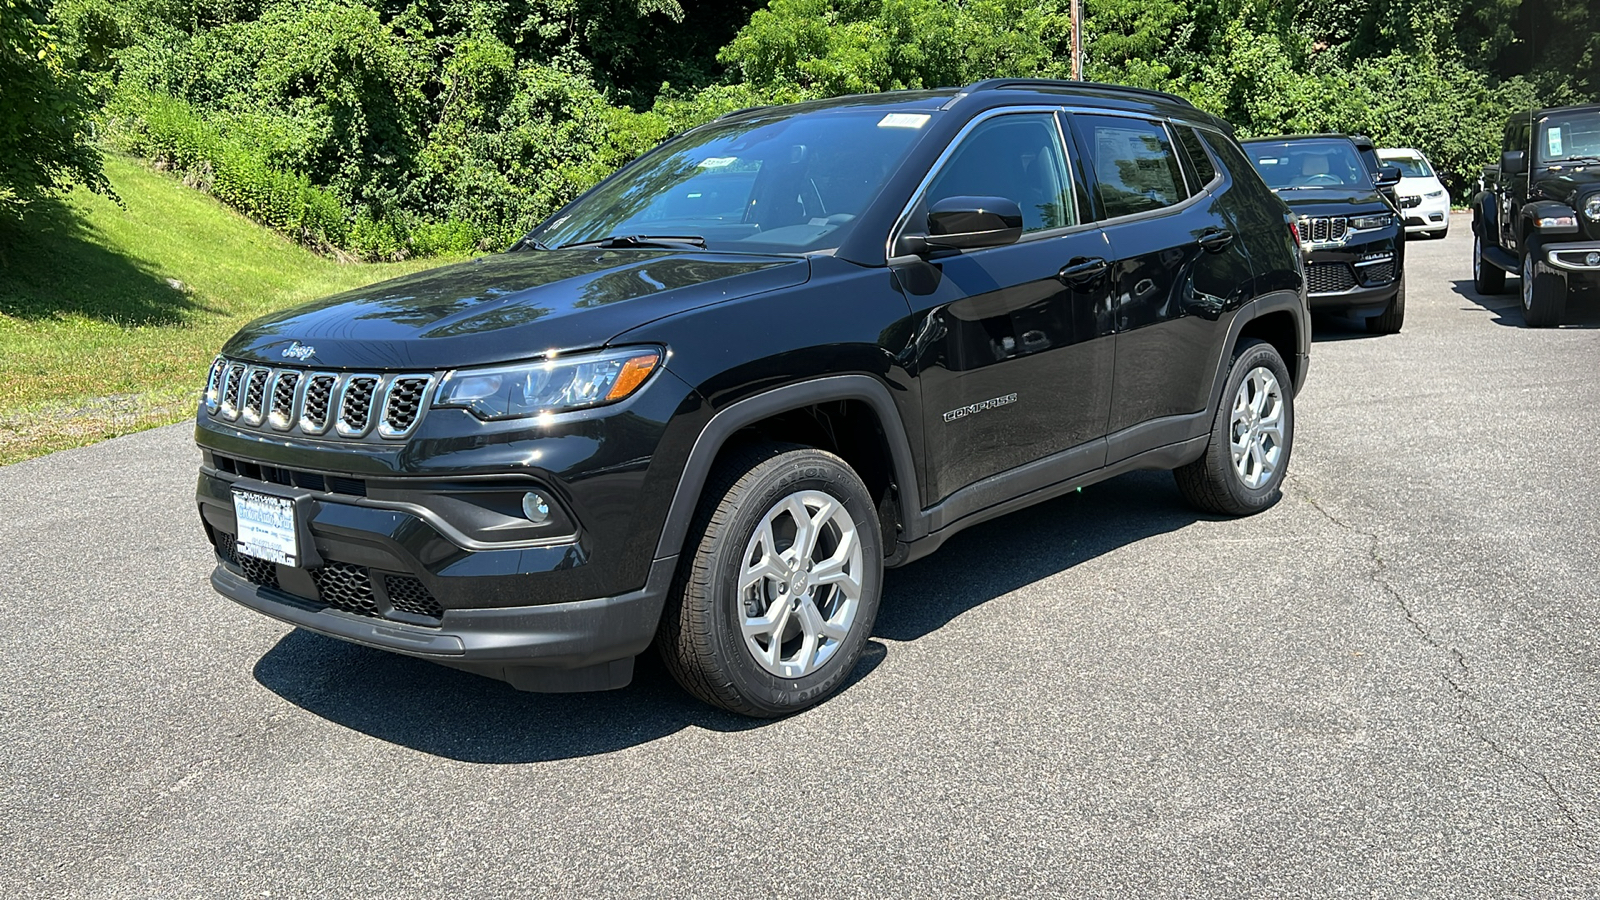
[[1553, 137], [717, 162], [903, 120]]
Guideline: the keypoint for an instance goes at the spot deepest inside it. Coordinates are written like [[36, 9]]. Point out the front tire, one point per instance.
[[1251, 436], [1487, 278], [1393, 315], [1544, 292], [777, 596]]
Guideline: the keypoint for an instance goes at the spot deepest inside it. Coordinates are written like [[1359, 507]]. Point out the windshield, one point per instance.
[[1288, 165], [1569, 136], [1409, 166], [784, 183]]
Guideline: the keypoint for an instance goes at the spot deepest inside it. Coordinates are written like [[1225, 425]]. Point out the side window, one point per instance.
[[1199, 159], [1018, 157], [1134, 164]]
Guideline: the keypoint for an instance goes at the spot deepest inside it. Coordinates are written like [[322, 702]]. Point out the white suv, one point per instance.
[[1422, 198]]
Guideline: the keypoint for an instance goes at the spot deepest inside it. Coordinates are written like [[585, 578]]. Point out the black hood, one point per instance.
[[1334, 201], [505, 307], [1566, 183]]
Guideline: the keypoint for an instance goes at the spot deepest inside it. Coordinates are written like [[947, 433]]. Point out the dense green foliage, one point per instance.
[[44, 111], [386, 128]]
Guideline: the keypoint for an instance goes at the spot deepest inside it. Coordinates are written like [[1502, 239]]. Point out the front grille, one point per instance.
[[315, 403], [347, 587], [311, 481], [258, 571], [410, 595], [1329, 278], [1323, 229], [1378, 273]]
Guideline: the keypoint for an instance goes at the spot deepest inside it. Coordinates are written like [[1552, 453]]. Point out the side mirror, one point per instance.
[[1513, 162], [967, 223], [1388, 176]]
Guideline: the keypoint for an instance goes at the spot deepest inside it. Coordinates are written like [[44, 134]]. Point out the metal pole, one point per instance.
[[1077, 40]]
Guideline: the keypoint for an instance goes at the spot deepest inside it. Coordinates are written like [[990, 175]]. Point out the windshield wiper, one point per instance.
[[1575, 159], [527, 243], [619, 241]]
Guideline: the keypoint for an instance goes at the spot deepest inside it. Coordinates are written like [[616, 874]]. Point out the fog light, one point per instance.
[[1592, 260], [535, 507]]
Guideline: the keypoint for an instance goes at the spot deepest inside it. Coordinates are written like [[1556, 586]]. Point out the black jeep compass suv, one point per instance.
[[708, 402], [1353, 234]]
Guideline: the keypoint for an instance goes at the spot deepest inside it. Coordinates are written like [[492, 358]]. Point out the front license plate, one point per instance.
[[266, 527]]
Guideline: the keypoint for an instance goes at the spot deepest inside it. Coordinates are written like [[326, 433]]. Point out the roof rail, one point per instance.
[[739, 112], [1000, 84]]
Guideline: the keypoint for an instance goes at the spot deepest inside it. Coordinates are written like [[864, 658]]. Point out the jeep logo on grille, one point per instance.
[[299, 351]]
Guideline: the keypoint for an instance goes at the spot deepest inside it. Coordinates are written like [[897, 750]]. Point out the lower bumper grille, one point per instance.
[[344, 586], [1378, 273], [1329, 278]]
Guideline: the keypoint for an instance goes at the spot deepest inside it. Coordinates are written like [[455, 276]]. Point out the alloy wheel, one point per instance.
[[1257, 427], [800, 584]]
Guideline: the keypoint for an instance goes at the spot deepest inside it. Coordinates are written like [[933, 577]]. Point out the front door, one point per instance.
[[1012, 349]]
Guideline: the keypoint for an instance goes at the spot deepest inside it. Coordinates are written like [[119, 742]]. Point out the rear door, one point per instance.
[[1178, 266], [1014, 360]]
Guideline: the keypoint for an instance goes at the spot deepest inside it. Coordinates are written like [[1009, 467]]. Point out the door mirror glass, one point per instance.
[[1511, 162], [1388, 176], [965, 223]]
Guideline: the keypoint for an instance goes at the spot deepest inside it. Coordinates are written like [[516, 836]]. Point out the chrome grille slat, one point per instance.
[[253, 409], [286, 399], [231, 388], [402, 404], [318, 402], [355, 405], [285, 390]]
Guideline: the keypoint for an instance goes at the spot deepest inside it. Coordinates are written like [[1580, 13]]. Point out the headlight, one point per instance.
[[1434, 195], [1367, 223], [550, 385], [1591, 208]]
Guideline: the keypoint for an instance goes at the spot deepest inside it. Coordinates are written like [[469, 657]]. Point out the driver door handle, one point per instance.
[[1215, 239], [1081, 272]]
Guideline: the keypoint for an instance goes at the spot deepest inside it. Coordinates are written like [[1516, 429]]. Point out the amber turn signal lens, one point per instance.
[[633, 374]]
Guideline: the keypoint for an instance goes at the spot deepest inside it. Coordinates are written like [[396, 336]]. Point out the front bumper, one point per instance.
[[1572, 257], [1428, 216], [578, 646], [1355, 278]]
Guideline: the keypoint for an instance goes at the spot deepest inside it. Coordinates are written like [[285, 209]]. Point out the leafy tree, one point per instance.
[[44, 112]]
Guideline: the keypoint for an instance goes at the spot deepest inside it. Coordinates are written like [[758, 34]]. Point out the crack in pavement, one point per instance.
[[1459, 669]]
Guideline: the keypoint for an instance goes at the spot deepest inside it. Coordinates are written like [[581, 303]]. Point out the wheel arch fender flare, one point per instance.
[[1267, 304], [1530, 213], [1485, 213], [728, 421]]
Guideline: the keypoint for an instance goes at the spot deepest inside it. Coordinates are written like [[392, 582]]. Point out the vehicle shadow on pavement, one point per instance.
[[995, 558], [1583, 309], [443, 712], [456, 715]]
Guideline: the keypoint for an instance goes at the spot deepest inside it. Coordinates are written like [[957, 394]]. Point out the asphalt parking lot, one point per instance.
[[1386, 685]]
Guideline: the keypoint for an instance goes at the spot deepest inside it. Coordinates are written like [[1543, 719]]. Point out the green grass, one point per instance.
[[110, 315]]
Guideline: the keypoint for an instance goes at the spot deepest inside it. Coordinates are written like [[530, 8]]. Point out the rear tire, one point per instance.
[[1393, 315], [778, 591], [1487, 278], [1251, 436], [1544, 292]]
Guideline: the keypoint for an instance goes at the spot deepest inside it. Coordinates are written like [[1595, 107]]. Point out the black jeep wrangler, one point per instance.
[[1539, 213], [1350, 225], [707, 403]]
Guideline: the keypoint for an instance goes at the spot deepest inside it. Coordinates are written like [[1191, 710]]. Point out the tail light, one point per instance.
[[1294, 229]]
